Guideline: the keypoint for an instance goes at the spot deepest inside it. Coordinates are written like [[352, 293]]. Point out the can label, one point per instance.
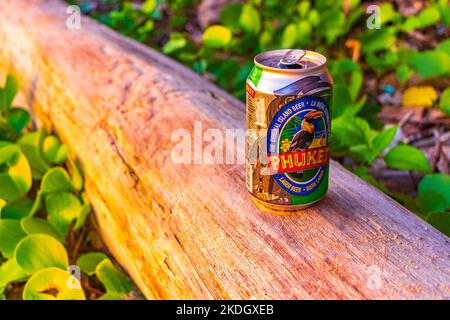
[[289, 130], [297, 145]]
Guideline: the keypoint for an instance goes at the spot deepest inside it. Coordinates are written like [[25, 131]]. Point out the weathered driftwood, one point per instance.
[[192, 231]]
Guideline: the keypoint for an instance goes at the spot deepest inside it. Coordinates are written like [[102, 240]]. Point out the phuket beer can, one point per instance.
[[289, 95]]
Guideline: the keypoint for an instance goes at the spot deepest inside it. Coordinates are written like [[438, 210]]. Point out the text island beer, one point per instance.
[[289, 94]]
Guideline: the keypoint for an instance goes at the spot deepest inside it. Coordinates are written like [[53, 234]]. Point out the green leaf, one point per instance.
[[88, 262], [8, 188], [430, 64], [36, 225], [10, 91], [403, 73], [249, 19], [314, 18], [332, 26], [18, 119], [216, 36], [176, 41], [229, 13], [444, 101], [17, 180], [444, 46], [387, 13], [31, 145], [85, 210], [377, 40], [439, 183], [76, 175], [63, 208], [62, 154], [20, 171], [56, 180], [431, 201], [350, 131], [39, 251], [10, 234], [405, 157], [303, 8], [441, 221], [289, 36], [17, 209], [382, 140], [113, 280], [342, 99], [427, 17], [149, 5], [50, 148], [52, 284], [304, 32], [10, 271]]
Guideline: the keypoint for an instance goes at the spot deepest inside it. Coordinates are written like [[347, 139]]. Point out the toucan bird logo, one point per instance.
[[304, 137]]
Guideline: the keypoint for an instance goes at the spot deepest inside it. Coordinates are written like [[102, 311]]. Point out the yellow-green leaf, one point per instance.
[[420, 96], [216, 36], [405, 157], [53, 284], [39, 251]]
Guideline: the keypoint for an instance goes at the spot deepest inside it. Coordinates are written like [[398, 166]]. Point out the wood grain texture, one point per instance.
[[192, 231]]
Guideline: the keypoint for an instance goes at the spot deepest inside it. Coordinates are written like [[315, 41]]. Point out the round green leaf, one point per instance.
[[10, 235], [88, 262], [431, 63], [113, 280], [405, 157], [36, 225], [53, 284], [39, 251], [56, 180], [216, 36], [62, 208]]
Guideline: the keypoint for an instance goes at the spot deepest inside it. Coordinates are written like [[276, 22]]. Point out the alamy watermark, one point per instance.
[[73, 22]]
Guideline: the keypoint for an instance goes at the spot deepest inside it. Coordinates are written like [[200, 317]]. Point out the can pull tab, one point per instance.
[[291, 60]]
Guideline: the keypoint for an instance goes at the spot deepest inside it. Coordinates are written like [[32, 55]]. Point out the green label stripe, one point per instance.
[[255, 75]]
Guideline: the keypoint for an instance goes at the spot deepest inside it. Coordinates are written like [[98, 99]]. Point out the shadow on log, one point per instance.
[[192, 231]]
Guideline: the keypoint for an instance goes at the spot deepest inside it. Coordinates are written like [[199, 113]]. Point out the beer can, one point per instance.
[[289, 95]]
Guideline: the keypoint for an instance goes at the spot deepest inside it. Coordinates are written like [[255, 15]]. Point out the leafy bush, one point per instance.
[[42, 207]]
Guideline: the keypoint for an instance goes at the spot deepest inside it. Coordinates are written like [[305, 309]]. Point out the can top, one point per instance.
[[290, 60]]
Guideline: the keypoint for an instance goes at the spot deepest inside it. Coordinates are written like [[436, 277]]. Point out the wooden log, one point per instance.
[[192, 231]]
